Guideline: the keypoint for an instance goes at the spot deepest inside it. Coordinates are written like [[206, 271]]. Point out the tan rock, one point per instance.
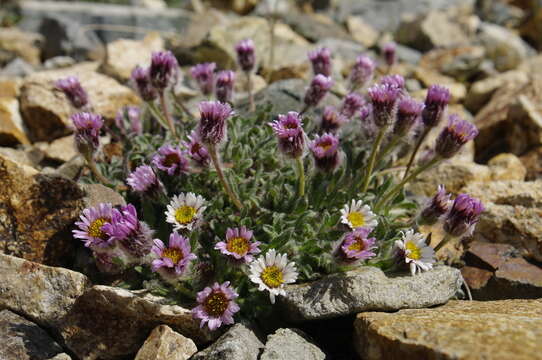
[[11, 123], [507, 167], [165, 344], [10, 87], [532, 161], [241, 84], [29, 158], [430, 77], [460, 62], [503, 46], [362, 32], [62, 149], [513, 192], [22, 44], [459, 330]]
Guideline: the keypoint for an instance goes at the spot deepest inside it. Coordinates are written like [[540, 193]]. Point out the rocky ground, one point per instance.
[[486, 52]]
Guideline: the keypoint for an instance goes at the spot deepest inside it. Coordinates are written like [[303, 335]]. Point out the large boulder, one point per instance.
[[11, 124], [239, 342], [287, 344], [165, 344], [16, 43]]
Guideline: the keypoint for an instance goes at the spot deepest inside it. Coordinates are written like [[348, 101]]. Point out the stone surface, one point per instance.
[[362, 32], [286, 344], [495, 330], [460, 62], [369, 289], [428, 77], [21, 339], [62, 149], [17, 68], [21, 44], [506, 49], [507, 167], [165, 344], [98, 193], [475, 277], [30, 157], [11, 123], [238, 343], [488, 254], [314, 27], [532, 160], [516, 193]]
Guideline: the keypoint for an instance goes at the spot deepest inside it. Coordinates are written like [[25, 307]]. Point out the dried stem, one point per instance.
[[227, 188]]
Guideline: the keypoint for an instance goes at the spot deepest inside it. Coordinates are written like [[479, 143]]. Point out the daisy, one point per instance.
[[356, 245], [90, 226], [185, 211], [358, 215], [172, 260], [271, 272], [216, 306], [413, 249], [238, 245]]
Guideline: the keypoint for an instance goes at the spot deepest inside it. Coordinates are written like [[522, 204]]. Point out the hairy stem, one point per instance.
[[443, 242], [181, 105], [250, 94], [227, 188], [156, 113], [387, 149], [415, 151], [301, 174], [372, 158], [167, 115], [94, 169]]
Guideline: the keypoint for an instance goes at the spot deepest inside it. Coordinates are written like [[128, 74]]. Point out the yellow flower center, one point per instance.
[[216, 304], [171, 159], [272, 276], [415, 252], [324, 146], [238, 245], [174, 254], [185, 214], [95, 228], [357, 246], [356, 219]]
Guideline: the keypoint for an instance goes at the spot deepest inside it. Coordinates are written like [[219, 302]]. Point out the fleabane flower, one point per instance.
[[369, 129], [171, 160], [185, 211], [356, 246], [393, 80], [225, 81], [436, 101], [332, 120], [362, 72], [413, 250], [356, 215], [204, 74], [436, 207], [144, 181], [456, 134], [196, 150], [271, 272], [87, 132], [463, 216], [212, 125], [171, 261], [216, 306], [321, 61], [408, 113], [91, 225], [318, 88], [351, 104], [163, 70], [325, 150], [71, 87], [238, 245], [289, 131], [141, 79], [384, 100], [389, 53], [245, 54]]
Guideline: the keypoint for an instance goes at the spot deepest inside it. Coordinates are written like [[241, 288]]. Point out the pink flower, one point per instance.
[[172, 260], [216, 306], [238, 245]]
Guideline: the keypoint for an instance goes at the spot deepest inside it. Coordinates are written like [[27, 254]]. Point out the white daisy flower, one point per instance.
[[271, 272], [358, 215], [185, 211], [417, 254]]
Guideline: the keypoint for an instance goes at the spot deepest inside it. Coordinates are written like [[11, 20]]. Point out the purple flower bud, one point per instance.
[[456, 134], [435, 104], [204, 74], [332, 120], [245, 54], [196, 150], [212, 126], [318, 88], [435, 208], [74, 91], [362, 72], [394, 80], [87, 132], [224, 85], [171, 160], [356, 245], [143, 180], [369, 129], [128, 120], [352, 103], [464, 215], [321, 61], [408, 113], [140, 76], [325, 150], [384, 100], [163, 70], [389, 53], [290, 134]]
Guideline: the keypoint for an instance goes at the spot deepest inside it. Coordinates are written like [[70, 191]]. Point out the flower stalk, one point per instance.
[[91, 163], [301, 175], [167, 115], [214, 158], [415, 151], [444, 241], [372, 158]]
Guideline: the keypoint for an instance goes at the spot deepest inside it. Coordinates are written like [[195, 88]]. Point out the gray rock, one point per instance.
[[505, 48], [286, 344], [21, 339], [341, 49], [98, 193], [369, 289], [313, 28], [62, 356], [17, 68], [165, 344], [408, 55], [238, 343], [58, 62]]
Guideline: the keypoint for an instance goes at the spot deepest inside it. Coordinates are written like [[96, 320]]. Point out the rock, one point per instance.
[[10, 87], [21, 44], [507, 167], [500, 13], [314, 27], [362, 32], [62, 356], [21, 339], [150, 4], [407, 55], [58, 62], [532, 25], [111, 323], [457, 330], [239, 342], [476, 278], [46, 110], [17, 68], [165, 344], [241, 85], [518, 279], [62, 149], [429, 77], [490, 255], [98, 193], [286, 344], [532, 161], [41, 293], [368, 289], [513, 192], [11, 123], [506, 49], [459, 62], [238, 6], [29, 157], [71, 169]]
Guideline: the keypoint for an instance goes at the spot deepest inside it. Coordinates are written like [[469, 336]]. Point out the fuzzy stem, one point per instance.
[[301, 173], [415, 151], [388, 148], [227, 188], [94, 169], [443, 242], [304, 109], [250, 94], [372, 158], [167, 115], [181, 105], [156, 113]]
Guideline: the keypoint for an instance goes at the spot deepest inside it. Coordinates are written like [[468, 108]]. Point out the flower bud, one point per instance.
[[325, 150], [362, 72], [389, 53], [464, 215], [87, 132], [196, 150], [436, 102], [408, 113], [143, 180], [142, 81], [317, 90], [321, 61], [163, 70], [224, 86], [289, 131], [245, 54], [332, 120], [352, 103], [456, 134], [384, 100], [393, 80], [171, 160], [435, 208], [74, 91], [212, 126], [204, 74]]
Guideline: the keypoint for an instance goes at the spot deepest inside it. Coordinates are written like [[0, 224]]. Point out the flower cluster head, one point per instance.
[[413, 250], [73, 90], [238, 245], [356, 215], [362, 72], [332, 120], [171, 160], [436, 208], [271, 272], [87, 132], [463, 216], [389, 53], [351, 104], [325, 150], [436, 101], [356, 246], [212, 125], [318, 89], [185, 211], [204, 74], [393, 80], [163, 70], [369, 129], [142, 81], [91, 224], [408, 113], [384, 100], [128, 121], [196, 150], [321, 61], [456, 134], [216, 305], [245, 54], [225, 81], [143, 180], [290, 134], [172, 261]]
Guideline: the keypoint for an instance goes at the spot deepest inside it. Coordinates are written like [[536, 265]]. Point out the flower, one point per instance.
[[224, 85], [436, 207], [245, 54], [394, 80], [332, 120], [238, 245], [172, 260], [321, 61], [317, 90], [271, 272], [408, 113], [436, 101], [204, 76], [389, 53], [142, 81], [185, 211], [91, 225], [384, 99], [352, 103], [216, 306], [325, 151], [356, 246], [369, 129], [143, 180], [171, 160], [212, 125], [289, 131], [196, 150], [163, 70], [456, 134], [358, 215], [87, 132], [413, 250], [463, 216], [362, 72], [128, 120], [73, 90]]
